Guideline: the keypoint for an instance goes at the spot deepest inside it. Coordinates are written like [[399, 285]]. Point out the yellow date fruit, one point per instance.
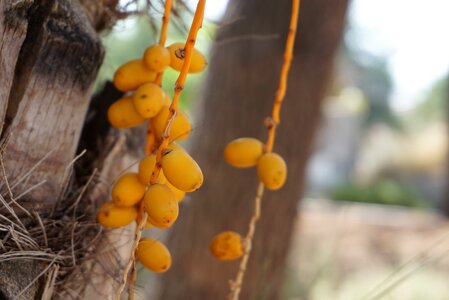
[[227, 246], [157, 58], [161, 205], [180, 128], [123, 114], [149, 100], [146, 167], [167, 99], [153, 255], [243, 152], [177, 54], [182, 171], [112, 216], [128, 190], [179, 195], [272, 170], [132, 75]]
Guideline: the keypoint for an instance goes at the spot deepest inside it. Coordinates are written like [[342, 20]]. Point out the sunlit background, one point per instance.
[[372, 222]]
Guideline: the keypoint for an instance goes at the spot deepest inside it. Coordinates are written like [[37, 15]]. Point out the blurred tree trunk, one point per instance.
[[238, 95]]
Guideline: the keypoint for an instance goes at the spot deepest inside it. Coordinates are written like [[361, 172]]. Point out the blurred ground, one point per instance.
[[342, 251]]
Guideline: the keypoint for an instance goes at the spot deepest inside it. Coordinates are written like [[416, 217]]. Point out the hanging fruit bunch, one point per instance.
[[248, 152], [150, 197]]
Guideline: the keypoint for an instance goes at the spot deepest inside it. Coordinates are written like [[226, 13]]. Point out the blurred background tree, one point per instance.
[[237, 96]]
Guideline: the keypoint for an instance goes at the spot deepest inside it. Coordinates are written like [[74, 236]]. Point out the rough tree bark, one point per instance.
[[238, 95], [49, 58], [50, 90]]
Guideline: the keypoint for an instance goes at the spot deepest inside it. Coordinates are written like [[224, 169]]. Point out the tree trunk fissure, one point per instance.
[[13, 29], [49, 94], [35, 17]]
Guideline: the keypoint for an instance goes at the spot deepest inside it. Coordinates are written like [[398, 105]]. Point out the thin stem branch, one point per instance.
[[132, 279], [188, 50], [271, 123], [133, 276], [280, 94], [151, 138], [236, 284], [164, 29], [138, 235]]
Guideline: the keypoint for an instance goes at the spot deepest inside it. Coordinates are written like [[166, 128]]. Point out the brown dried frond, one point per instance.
[[60, 241]]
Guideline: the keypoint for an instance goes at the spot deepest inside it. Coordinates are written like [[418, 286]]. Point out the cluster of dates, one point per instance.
[[146, 101], [272, 170]]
